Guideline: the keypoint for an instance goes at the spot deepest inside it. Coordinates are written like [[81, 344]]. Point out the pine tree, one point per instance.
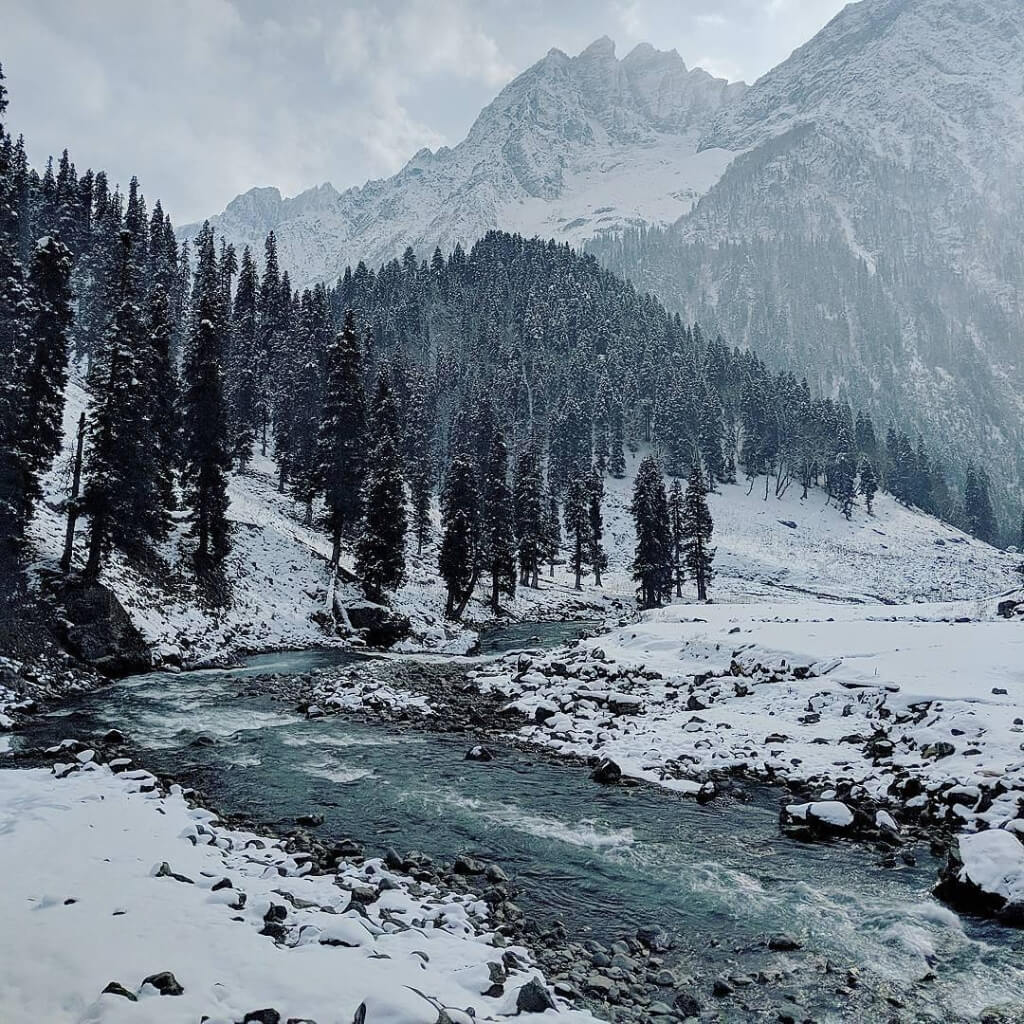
[[697, 529], [652, 562], [675, 518], [458, 560], [868, 484], [270, 313], [552, 532], [496, 520], [616, 452], [117, 490], [342, 434], [842, 482], [577, 526], [595, 554], [205, 452], [380, 547], [530, 515], [978, 515], [244, 364], [419, 461], [43, 378]]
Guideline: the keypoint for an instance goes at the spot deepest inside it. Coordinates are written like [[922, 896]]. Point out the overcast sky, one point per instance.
[[205, 98]]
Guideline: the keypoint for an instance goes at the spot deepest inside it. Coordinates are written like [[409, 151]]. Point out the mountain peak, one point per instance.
[[603, 47]]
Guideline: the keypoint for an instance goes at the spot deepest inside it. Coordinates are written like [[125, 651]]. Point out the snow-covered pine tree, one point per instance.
[[43, 375], [458, 561], [842, 478], [243, 364], [119, 495], [595, 547], [577, 526], [978, 515], [12, 337], [697, 529], [380, 547], [497, 522], [616, 450], [868, 486], [552, 531], [652, 561], [342, 434], [206, 458], [419, 459], [269, 318], [530, 515], [675, 519]]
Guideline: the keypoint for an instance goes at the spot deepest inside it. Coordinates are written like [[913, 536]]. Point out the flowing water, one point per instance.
[[604, 860]]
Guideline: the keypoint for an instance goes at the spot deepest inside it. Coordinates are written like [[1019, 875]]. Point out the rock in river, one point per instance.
[[607, 772]]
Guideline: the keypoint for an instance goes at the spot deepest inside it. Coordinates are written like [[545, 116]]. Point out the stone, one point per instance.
[[113, 736], [533, 997], [309, 820], [379, 626], [466, 865], [165, 983], [495, 874], [265, 1016], [783, 943], [96, 629], [607, 772], [115, 988], [721, 988], [685, 1005], [479, 753], [657, 940]]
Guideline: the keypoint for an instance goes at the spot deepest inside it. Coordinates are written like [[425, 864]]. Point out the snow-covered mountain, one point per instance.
[[856, 215], [573, 146], [869, 231]]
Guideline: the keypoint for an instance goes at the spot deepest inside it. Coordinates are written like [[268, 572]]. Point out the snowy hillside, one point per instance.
[[573, 146], [786, 549], [866, 232]]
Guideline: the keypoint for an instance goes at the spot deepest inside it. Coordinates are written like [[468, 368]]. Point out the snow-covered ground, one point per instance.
[[278, 573], [85, 902], [784, 548]]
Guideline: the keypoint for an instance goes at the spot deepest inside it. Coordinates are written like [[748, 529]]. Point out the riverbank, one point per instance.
[[146, 908], [760, 925], [906, 720]]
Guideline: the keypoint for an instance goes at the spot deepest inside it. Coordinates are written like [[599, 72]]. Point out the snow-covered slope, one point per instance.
[[784, 549], [573, 146]]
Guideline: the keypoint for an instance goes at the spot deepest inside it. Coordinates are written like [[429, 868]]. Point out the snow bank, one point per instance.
[[106, 880]]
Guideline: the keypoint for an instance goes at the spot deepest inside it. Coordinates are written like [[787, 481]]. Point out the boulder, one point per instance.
[[984, 875], [607, 772], [115, 988], [380, 626], [533, 997], [479, 753], [165, 983], [97, 630], [685, 1005]]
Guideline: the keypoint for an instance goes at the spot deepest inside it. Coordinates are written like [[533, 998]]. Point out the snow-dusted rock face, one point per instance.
[[872, 209], [573, 146]]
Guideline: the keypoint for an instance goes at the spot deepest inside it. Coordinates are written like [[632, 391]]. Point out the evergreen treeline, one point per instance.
[[509, 380]]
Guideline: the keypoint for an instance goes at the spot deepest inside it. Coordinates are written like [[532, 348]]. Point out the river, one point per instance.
[[605, 860]]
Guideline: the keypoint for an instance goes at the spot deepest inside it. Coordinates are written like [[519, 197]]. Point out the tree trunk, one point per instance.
[[76, 486], [494, 592], [335, 547]]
